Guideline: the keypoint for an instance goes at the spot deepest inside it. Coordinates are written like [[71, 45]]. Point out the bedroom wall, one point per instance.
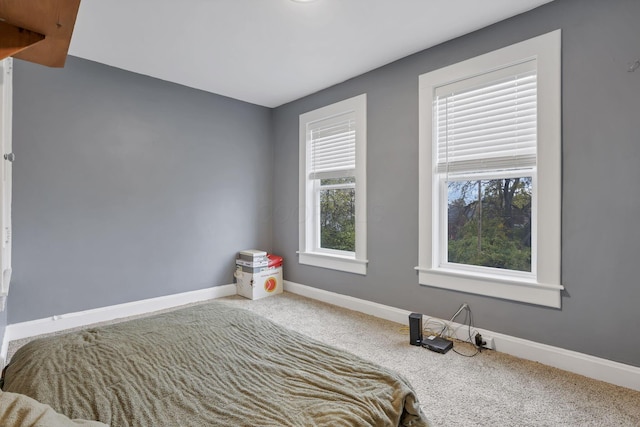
[[128, 187], [601, 196]]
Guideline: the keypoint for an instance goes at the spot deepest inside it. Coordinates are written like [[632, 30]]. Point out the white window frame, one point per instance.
[[310, 252], [6, 106], [543, 285]]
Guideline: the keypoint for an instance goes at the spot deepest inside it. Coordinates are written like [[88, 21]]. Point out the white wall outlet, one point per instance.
[[488, 342]]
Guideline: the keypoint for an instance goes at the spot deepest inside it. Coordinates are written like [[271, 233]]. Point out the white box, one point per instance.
[[261, 263], [259, 285], [252, 255], [253, 270]]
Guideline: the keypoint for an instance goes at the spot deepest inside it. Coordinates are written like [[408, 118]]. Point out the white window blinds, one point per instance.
[[332, 147], [487, 122]]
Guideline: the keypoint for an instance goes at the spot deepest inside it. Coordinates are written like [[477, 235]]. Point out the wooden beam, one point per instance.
[[53, 18], [15, 39]]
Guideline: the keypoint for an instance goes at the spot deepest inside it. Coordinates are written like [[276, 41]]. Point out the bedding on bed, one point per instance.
[[209, 365], [17, 410]]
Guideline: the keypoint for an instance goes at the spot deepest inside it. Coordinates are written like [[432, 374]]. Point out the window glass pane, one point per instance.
[[338, 181], [337, 216], [489, 223]]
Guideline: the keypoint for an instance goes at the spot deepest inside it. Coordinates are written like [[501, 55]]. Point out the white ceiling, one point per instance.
[[270, 52]]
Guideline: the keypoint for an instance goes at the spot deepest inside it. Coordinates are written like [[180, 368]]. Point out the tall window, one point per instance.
[[485, 149], [333, 186], [490, 174]]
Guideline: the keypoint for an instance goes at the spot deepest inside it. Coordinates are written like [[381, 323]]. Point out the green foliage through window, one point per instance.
[[489, 223], [338, 214]]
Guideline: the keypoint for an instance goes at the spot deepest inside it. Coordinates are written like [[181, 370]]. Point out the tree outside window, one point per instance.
[[489, 223], [338, 214]]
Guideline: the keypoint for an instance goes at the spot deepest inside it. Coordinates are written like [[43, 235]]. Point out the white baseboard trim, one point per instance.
[[572, 361], [568, 360], [61, 322], [356, 304]]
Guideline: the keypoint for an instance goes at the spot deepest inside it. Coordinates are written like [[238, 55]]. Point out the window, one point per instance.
[[490, 174], [6, 97], [333, 222]]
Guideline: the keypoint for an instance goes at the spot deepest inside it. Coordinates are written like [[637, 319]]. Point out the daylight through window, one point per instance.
[[332, 185], [490, 174], [485, 144]]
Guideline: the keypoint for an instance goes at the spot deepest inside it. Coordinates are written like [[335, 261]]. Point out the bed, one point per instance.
[[207, 365]]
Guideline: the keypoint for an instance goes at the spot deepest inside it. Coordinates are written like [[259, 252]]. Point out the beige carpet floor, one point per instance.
[[490, 389]]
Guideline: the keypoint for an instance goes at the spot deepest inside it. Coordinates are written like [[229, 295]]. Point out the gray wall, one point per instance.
[[127, 187], [601, 196]]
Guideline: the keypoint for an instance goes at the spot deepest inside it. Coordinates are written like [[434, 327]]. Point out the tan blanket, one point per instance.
[[17, 410], [209, 365]]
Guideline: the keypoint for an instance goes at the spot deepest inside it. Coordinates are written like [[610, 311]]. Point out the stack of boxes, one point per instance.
[[258, 274]]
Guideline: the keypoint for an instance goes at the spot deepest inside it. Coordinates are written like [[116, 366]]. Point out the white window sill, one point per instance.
[[333, 262], [506, 288]]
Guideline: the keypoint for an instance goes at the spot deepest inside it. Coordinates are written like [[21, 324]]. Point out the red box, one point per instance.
[[274, 261]]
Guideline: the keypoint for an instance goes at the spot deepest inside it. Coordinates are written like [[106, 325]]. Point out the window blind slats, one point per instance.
[[327, 149], [527, 80], [333, 147], [484, 128], [451, 111], [337, 137], [489, 126], [463, 103], [497, 150]]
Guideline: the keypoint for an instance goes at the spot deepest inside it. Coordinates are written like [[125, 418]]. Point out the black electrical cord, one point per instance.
[[468, 319]]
